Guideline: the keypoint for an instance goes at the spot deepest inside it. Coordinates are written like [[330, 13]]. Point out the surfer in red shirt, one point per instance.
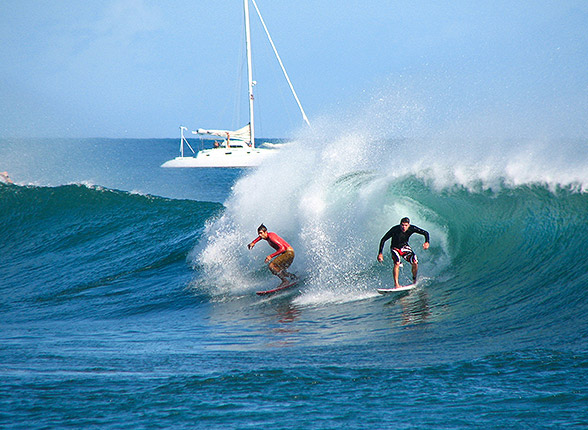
[[280, 260]]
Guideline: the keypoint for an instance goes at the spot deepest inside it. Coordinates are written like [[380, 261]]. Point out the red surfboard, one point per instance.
[[275, 290]]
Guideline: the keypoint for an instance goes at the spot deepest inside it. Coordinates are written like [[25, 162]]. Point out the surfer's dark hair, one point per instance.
[[261, 228], [405, 219]]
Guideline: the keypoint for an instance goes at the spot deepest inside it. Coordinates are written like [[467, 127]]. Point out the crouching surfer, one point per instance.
[[399, 247], [280, 260]]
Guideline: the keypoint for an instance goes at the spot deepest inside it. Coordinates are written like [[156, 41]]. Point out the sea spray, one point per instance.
[[335, 190], [332, 215]]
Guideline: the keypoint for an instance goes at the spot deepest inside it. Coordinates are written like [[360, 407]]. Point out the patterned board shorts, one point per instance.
[[284, 260], [405, 252]]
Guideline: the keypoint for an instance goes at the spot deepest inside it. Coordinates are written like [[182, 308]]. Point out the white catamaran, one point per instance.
[[237, 148]]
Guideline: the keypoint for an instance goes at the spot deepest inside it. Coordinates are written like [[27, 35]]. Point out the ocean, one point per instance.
[[127, 292]]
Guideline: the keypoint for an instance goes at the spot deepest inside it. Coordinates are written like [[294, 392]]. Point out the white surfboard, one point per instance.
[[397, 289]]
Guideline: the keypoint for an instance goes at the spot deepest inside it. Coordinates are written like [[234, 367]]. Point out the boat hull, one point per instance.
[[223, 157]]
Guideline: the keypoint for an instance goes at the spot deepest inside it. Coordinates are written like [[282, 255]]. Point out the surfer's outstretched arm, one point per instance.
[[253, 242], [425, 233], [387, 236]]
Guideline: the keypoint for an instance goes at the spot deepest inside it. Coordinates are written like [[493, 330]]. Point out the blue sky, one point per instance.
[[141, 68]]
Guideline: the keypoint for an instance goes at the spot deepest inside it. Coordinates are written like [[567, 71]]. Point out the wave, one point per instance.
[[65, 248], [500, 219]]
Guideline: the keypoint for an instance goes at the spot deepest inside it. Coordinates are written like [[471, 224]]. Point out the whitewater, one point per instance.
[[128, 293]]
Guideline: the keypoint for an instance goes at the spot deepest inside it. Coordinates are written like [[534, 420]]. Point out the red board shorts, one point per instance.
[[405, 252], [284, 260]]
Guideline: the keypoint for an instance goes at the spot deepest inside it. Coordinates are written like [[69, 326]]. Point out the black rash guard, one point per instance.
[[400, 238]]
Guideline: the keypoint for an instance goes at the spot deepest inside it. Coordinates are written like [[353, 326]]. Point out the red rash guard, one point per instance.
[[276, 242]]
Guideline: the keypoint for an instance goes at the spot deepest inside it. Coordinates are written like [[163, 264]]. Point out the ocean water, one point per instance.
[[127, 293]]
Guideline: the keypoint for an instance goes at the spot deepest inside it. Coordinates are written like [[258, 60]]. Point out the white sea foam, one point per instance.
[[331, 193]]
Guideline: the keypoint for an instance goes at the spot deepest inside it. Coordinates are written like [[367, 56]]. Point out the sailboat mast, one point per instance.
[[304, 117], [249, 71]]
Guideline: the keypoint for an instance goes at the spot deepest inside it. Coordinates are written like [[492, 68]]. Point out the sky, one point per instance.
[[142, 68]]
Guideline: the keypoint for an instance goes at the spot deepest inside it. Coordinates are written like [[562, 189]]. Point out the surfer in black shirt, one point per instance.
[[399, 247]]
